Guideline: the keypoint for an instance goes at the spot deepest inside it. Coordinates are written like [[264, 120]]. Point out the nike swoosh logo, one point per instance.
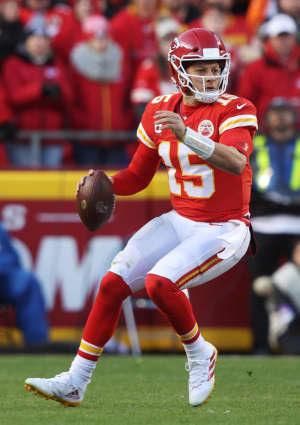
[[241, 106]]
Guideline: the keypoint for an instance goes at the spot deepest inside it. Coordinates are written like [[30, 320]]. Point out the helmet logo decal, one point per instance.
[[174, 45], [206, 128]]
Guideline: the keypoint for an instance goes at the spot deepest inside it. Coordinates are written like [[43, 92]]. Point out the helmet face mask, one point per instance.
[[198, 45]]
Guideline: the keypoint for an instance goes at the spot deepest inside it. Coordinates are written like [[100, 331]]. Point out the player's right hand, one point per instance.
[[171, 120]]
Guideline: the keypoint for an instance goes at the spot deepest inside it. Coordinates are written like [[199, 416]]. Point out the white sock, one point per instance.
[[82, 370], [197, 349]]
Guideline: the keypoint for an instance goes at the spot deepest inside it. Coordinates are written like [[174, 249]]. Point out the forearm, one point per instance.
[[221, 155], [127, 182], [139, 173], [227, 158]]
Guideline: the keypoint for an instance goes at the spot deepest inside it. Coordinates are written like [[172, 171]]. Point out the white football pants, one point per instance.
[[184, 251]]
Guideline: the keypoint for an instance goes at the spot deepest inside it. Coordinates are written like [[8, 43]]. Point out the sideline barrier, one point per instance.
[[35, 138]]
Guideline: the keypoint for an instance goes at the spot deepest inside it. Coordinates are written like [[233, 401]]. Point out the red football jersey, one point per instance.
[[199, 190]]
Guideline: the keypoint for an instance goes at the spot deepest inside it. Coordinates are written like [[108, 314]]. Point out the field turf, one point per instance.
[[153, 391]]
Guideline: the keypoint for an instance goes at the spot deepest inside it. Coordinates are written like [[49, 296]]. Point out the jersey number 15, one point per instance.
[[180, 165]]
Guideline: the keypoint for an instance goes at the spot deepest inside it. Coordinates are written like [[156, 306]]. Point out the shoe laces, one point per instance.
[[198, 370]]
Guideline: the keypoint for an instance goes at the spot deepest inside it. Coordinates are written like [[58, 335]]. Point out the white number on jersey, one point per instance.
[[164, 97], [226, 98], [204, 190]]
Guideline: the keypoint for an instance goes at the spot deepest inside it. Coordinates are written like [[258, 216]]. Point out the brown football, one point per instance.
[[95, 200]]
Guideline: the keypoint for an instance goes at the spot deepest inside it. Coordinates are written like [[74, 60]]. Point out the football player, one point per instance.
[[204, 137]]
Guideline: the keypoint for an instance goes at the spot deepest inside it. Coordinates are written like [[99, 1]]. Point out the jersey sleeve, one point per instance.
[[145, 160], [139, 173], [240, 138], [240, 112], [238, 125], [145, 131]]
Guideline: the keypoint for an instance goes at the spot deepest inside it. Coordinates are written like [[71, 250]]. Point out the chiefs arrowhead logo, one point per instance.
[[206, 128]]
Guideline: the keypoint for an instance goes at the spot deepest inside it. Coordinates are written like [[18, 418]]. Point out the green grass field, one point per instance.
[[153, 391]]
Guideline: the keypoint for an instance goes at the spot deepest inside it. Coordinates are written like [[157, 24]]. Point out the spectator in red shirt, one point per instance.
[[98, 84], [71, 31], [7, 127], [64, 22], [218, 19], [153, 76], [133, 28], [39, 92], [55, 16], [277, 72], [235, 31]]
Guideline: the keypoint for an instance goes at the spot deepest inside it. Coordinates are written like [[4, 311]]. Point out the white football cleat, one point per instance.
[[61, 388], [202, 378]]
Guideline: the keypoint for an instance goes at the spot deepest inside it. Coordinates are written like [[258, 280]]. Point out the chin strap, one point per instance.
[[201, 145]]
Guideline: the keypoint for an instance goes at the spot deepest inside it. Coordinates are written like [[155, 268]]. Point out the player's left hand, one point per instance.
[[171, 120]]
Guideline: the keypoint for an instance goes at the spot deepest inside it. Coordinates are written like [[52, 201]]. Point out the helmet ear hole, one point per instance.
[[186, 64], [222, 64]]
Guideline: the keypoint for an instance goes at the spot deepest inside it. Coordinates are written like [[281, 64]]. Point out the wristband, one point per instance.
[[201, 145]]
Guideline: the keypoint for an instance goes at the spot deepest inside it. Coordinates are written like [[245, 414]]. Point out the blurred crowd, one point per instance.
[[94, 64]]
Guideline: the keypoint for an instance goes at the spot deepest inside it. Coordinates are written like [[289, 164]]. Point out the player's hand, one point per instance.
[[171, 120], [82, 181]]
